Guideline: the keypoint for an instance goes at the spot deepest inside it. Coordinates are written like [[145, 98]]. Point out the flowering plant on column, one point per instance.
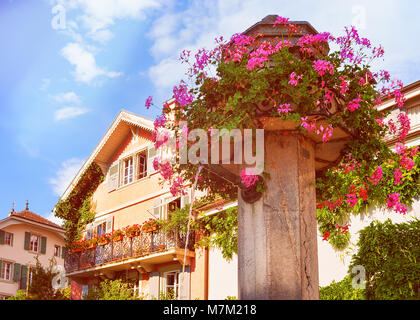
[[320, 92]]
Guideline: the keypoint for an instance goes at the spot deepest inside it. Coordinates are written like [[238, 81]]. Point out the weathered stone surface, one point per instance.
[[277, 248]]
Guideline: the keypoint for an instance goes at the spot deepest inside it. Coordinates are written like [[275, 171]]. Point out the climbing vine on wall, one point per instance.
[[76, 208]]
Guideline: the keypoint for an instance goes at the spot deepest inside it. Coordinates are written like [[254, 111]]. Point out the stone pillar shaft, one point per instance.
[[277, 247]]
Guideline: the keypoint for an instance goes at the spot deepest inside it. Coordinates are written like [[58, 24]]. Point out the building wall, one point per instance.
[[18, 254]]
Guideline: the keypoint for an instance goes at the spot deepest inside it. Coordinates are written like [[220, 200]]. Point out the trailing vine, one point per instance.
[[218, 231], [76, 208]]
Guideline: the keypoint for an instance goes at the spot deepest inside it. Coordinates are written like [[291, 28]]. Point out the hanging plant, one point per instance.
[[242, 82]]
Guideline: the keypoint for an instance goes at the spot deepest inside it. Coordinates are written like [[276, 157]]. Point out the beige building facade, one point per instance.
[[24, 236]]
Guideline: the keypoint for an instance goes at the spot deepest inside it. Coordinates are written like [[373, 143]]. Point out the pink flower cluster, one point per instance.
[[354, 104], [149, 102], [248, 179], [181, 95], [177, 187], [393, 202], [308, 126], [322, 67], [281, 21], [325, 131], [397, 176], [294, 79], [376, 176], [284, 108]]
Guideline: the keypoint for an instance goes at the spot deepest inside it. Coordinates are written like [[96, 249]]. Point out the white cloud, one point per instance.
[[54, 219], [69, 112], [66, 97], [65, 175], [86, 69], [98, 15]]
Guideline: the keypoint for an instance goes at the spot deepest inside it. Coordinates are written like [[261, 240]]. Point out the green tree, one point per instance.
[[111, 290], [390, 254], [341, 290]]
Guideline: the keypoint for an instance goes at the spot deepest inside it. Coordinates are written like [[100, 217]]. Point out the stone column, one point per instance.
[[277, 247]]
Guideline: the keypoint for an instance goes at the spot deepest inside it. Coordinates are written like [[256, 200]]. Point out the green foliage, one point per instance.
[[390, 254], [21, 295], [333, 184], [41, 285], [342, 290], [76, 208], [219, 230], [170, 295], [111, 290], [222, 230]]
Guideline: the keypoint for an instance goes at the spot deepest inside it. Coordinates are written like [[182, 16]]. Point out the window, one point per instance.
[[100, 229], [6, 270], [128, 170], [34, 244], [2, 297], [172, 284], [142, 165], [164, 206], [8, 239], [56, 251]]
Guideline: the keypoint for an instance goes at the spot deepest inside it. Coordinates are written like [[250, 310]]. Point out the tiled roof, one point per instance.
[[29, 215]]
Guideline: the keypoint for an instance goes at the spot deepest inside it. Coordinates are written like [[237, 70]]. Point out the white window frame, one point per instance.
[[38, 246], [6, 234], [164, 203], [3, 271], [57, 250], [137, 166], [127, 171], [175, 286]]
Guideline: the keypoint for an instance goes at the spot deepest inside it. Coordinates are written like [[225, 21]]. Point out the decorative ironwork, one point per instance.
[[144, 244]]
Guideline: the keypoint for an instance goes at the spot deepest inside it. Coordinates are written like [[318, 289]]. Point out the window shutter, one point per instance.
[[16, 273], [43, 245], [24, 277], [109, 224], [0, 268], [151, 155], [27, 242], [63, 252], [157, 208], [154, 285], [2, 236], [185, 200], [113, 180]]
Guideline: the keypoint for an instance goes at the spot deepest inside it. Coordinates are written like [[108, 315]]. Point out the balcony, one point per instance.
[[148, 247]]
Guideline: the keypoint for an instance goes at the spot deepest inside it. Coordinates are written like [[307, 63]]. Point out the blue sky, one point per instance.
[[67, 67]]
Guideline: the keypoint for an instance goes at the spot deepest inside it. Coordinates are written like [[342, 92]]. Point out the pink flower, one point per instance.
[[281, 21], [354, 104], [149, 102], [294, 79], [351, 199], [322, 67], [248, 179], [397, 176], [393, 199], [284, 108], [181, 95], [308, 126], [376, 176]]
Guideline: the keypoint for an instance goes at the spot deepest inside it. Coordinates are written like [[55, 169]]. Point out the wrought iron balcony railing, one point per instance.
[[145, 243]]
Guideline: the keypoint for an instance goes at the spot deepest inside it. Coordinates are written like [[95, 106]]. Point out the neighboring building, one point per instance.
[[131, 193], [334, 265], [23, 236]]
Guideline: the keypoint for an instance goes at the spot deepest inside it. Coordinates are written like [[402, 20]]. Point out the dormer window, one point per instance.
[[133, 167]]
